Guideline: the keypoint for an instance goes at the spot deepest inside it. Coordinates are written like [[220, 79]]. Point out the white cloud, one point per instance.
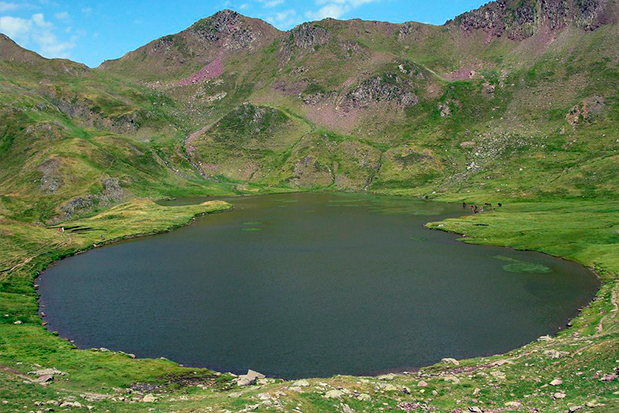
[[330, 10], [285, 19], [62, 15], [335, 8], [271, 3], [4, 6], [39, 20], [86, 10], [37, 33]]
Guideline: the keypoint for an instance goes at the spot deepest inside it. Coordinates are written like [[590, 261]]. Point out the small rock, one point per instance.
[[450, 361], [71, 404], [333, 394], [405, 390], [301, 383], [609, 377], [593, 403], [476, 391], [545, 338], [558, 395], [389, 376], [475, 409], [498, 375], [295, 389], [44, 379], [235, 394], [149, 398], [556, 382], [18, 322], [422, 384], [573, 409], [553, 354], [513, 404], [389, 387], [502, 362], [364, 397], [346, 409], [452, 379]]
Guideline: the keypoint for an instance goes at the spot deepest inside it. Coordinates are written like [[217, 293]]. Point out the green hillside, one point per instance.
[[516, 102]]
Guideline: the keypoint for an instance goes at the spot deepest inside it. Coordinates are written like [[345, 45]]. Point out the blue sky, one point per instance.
[[90, 32]]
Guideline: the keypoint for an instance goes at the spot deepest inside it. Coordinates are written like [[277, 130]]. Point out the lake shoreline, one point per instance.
[[408, 368], [587, 323]]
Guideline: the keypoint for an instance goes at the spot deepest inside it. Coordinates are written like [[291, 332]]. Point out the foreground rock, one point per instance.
[[250, 378]]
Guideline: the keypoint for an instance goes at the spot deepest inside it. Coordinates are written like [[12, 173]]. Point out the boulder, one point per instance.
[[250, 378], [452, 379], [45, 379], [47, 372], [149, 398], [333, 394], [449, 360], [389, 387]]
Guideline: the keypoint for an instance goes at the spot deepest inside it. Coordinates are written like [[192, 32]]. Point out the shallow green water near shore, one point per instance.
[[302, 285]]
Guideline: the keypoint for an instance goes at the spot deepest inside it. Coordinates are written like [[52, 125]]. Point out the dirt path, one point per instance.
[[16, 373]]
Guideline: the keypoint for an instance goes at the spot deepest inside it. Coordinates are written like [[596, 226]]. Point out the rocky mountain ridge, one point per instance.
[[519, 19]]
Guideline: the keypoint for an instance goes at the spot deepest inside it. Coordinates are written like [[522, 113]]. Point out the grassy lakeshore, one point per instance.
[[579, 357]]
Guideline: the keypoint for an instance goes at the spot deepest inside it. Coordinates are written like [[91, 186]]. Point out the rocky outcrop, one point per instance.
[[586, 111], [111, 193], [385, 88], [519, 19], [307, 36], [51, 179], [89, 114], [226, 26], [218, 25]]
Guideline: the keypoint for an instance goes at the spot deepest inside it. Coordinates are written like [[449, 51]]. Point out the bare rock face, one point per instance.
[[386, 88], [112, 193], [518, 19], [86, 111], [308, 36], [51, 179], [226, 26], [586, 111], [501, 17], [218, 25]]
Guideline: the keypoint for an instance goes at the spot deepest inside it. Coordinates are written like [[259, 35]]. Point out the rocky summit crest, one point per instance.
[[519, 19]]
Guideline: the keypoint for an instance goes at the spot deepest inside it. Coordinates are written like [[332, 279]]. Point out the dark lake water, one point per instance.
[[308, 285]]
